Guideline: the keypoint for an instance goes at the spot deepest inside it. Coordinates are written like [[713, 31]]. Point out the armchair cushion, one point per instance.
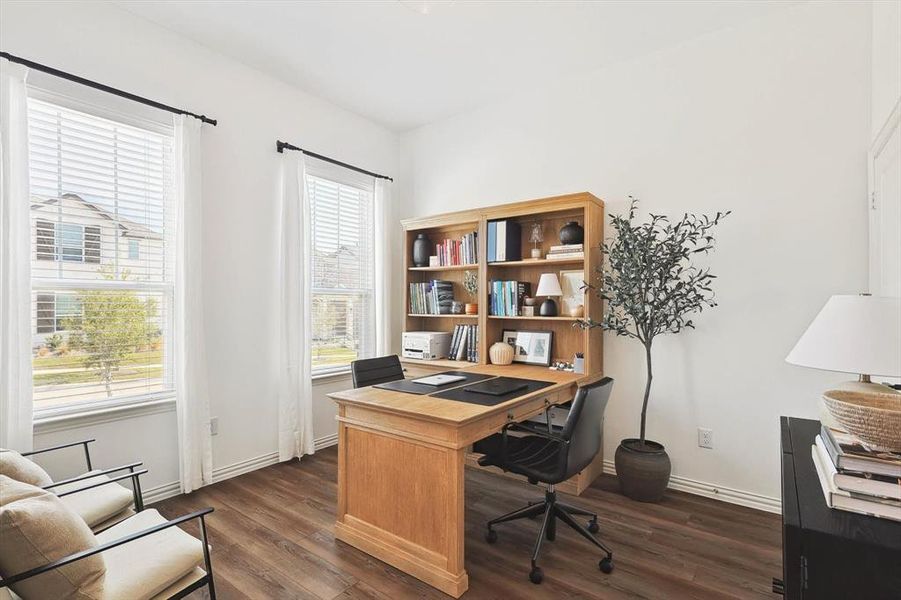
[[141, 569], [16, 466], [37, 528], [98, 504]]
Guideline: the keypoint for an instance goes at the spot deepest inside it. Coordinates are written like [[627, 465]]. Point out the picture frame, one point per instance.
[[530, 347], [571, 282]]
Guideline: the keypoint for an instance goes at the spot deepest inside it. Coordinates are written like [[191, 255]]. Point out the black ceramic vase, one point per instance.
[[572, 233], [643, 470], [421, 251]]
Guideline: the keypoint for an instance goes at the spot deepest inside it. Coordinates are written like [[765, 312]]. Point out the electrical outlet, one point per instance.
[[705, 437], [214, 426]]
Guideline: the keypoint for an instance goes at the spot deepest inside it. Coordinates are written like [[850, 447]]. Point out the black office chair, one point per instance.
[[370, 371], [551, 455]]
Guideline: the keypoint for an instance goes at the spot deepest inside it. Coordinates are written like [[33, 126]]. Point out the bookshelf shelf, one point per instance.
[[538, 262], [445, 268], [505, 318], [552, 213], [411, 315]]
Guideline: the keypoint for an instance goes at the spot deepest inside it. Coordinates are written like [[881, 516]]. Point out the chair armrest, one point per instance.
[[104, 547], [87, 452], [90, 475]]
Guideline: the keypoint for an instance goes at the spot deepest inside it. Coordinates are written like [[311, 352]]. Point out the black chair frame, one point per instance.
[[206, 580], [87, 451]]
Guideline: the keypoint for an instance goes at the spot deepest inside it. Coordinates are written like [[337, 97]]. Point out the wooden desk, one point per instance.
[[400, 469]]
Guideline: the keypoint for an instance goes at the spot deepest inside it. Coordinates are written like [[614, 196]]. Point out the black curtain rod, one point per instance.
[[282, 146], [104, 88]]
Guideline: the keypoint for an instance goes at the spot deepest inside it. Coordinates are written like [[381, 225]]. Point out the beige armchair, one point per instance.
[[95, 495]]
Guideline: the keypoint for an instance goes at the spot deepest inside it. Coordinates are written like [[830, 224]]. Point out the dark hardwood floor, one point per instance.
[[271, 536]]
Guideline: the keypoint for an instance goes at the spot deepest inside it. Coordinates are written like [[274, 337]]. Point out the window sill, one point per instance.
[[331, 376], [102, 414]]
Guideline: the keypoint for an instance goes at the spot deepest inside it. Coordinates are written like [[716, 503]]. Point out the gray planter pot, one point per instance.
[[643, 470]]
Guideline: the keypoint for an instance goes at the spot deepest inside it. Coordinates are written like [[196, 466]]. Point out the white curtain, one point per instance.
[[383, 234], [295, 387], [15, 262], [192, 397]]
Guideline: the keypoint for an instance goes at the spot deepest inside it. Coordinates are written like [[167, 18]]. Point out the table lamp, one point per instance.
[[854, 334], [548, 285]]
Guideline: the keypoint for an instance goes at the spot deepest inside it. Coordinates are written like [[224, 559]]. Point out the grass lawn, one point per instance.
[[91, 376], [75, 360], [60, 370], [324, 356]]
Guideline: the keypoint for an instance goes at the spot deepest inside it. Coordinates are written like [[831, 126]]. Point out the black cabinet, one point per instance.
[[830, 553]]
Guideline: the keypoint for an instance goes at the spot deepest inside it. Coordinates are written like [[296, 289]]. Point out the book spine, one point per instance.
[[492, 241], [831, 447], [501, 241]]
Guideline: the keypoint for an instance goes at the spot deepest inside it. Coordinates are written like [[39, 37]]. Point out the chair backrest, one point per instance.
[[370, 371], [583, 424]]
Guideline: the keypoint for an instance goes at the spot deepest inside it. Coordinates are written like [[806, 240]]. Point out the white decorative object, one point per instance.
[[874, 418], [295, 390], [572, 282], [501, 353], [192, 402], [15, 262], [548, 285]]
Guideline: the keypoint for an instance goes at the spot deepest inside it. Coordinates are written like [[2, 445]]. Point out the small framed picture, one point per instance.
[[530, 347], [572, 282]]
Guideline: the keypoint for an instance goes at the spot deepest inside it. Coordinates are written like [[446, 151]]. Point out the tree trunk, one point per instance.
[[647, 392]]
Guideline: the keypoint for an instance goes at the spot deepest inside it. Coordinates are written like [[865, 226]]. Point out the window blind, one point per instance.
[[342, 268], [102, 234]]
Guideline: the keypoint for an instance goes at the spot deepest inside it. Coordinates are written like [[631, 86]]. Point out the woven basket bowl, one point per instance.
[[873, 417]]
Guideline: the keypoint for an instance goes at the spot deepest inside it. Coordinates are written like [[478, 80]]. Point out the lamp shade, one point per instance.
[[548, 285], [853, 334]]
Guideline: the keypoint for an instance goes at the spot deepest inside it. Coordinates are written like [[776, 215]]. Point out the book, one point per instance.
[[508, 241], [492, 241], [567, 248], [501, 241], [849, 454], [836, 498], [861, 483], [432, 297]]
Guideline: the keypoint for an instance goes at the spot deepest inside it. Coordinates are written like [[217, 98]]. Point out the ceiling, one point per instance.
[[405, 63]]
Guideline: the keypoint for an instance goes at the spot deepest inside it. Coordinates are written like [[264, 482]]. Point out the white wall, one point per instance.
[[769, 120], [240, 170], [886, 82]]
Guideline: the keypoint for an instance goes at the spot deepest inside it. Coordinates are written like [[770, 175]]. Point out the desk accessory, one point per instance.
[[659, 267], [530, 347], [439, 380], [409, 386], [501, 353], [497, 387], [536, 237], [548, 285], [579, 363], [873, 417]]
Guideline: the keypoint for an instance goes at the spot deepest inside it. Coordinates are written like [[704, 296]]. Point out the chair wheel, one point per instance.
[[491, 536], [535, 575], [593, 526], [606, 565]]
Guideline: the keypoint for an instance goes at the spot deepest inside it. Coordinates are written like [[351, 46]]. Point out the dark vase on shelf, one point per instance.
[[572, 233], [421, 250]]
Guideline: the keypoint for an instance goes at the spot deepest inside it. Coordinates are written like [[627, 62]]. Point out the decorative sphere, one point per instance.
[[501, 353]]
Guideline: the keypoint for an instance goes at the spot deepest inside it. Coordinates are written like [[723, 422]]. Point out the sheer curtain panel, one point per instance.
[[295, 387], [192, 397], [15, 262], [382, 235]]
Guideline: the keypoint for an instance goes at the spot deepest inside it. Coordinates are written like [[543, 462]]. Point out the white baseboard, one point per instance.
[[168, 490], [718, 492]]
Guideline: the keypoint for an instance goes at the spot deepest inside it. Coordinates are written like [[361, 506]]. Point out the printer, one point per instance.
[[426, 345]]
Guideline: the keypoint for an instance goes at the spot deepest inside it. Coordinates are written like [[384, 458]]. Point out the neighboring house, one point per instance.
[[73, 239]]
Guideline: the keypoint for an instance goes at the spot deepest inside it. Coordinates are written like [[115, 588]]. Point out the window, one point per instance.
[[341, 208], [100, 189]]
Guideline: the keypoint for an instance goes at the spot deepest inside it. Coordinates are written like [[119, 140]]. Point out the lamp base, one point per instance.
[[548, 308]]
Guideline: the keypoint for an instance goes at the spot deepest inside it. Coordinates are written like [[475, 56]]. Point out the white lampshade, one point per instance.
[[548, 285], [853, 334]]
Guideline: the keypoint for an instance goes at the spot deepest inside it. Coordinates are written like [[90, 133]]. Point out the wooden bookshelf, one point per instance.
[[553, 213]]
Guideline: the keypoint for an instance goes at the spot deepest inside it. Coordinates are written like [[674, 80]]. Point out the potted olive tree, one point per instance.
[[651, 287]]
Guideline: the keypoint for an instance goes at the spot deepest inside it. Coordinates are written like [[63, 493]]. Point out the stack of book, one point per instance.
[[566, 251], [856, 479], [431, 297], [504, 241], [459, 252], [465, 343], [506, 297]]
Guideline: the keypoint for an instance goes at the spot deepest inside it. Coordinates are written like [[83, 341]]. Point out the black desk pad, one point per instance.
[[461, 395], [411, 387]]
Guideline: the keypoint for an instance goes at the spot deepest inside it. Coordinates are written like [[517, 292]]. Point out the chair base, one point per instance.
[[552, 510]]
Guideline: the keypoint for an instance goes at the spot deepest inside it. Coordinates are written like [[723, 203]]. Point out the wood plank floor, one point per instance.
[[272, 537]]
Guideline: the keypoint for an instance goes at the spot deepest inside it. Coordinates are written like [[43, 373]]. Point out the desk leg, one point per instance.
[[401, 501]]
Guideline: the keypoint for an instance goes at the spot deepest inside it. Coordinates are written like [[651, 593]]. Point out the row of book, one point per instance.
[[505, 298], [465, 343], [431, 297], [566, 251], [464, 251], [504, 241], [855, 478]]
